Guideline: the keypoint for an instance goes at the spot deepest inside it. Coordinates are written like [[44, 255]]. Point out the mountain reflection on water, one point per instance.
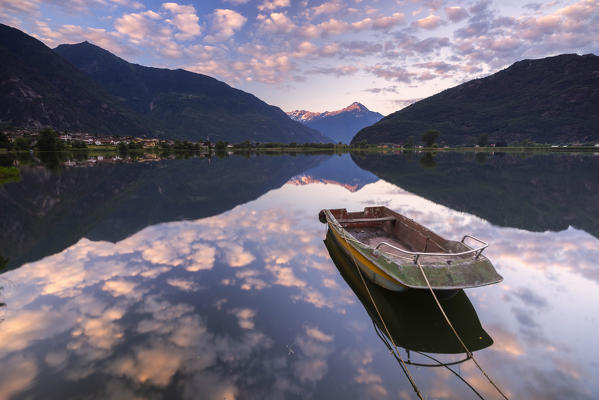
[[246, 303], [538, 193], [47, 212]]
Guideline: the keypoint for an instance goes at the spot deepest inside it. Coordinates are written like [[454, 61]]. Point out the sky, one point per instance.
[[320, 55]]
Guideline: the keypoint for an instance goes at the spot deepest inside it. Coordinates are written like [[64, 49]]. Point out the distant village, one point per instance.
[[95, 140]]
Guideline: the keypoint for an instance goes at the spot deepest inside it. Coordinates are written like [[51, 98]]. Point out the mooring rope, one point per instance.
[[384, 340], [468, 352], [396, 352]]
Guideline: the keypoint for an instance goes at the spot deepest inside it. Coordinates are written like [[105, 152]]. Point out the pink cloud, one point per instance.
[[342, 70], [430, 22], [137, 25], [273, 4], [326, 8], [456, 14], [391, 73], [385, 23], [184, 19], [276, 23], [224, 24]]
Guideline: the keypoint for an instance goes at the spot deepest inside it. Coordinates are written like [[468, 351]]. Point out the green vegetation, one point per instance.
[[9, 174], [22, 144], [430, 137], [428, 160], [220, 145], [483, 140], [4, 143], [49, 141], [78, 145]]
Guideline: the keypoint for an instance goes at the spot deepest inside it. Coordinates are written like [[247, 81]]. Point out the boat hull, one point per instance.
[[412, 319], [445, 275], [369, 269]]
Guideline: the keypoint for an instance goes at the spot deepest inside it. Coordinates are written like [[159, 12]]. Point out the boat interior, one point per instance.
[[380, 224]]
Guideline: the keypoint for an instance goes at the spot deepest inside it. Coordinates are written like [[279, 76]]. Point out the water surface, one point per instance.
[[210, 279]]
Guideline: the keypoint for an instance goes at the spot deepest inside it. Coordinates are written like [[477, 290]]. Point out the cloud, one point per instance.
[[315, 347], [249, 280], [388, 89], [18, 377], [273, 4], [317, 334], [456, 13], [328, 7], [32, 7], [184, 19], [305, 48], [19, 6], [440, 67], [236, 255], [245, 317], [137, 25], [224, 24], [23, 329], [386, 23], [332, 27], [275, 23], [362, 48], [148, 29], [95, 336], [75, 34], [409, 45], [391, 72], [183, 284], [202, 258], [430, 22], [142, 366], [284, 276], [122, 287]]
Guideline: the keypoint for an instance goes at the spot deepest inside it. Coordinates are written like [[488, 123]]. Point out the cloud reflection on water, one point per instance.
[[192, 306]]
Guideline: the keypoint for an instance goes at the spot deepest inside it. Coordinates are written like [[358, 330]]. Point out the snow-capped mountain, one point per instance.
[[340, 125]]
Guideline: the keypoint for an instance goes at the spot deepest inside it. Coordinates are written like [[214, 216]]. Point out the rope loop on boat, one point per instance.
[[468, 352], [394, 351]]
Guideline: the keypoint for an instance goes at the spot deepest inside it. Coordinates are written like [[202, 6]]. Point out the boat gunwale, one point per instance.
[[396, 260]]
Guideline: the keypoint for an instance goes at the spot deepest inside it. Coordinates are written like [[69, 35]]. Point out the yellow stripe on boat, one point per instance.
[[360, 257]]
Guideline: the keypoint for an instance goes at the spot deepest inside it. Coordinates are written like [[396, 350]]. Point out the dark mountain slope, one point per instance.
[[550, 100], [340, 125], [187, 105], [39, 88]]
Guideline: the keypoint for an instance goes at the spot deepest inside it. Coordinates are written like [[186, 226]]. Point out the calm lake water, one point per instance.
[[209, 278]]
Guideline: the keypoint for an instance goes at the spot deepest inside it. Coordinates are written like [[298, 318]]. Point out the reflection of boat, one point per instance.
[[412, 318], [395, 252]]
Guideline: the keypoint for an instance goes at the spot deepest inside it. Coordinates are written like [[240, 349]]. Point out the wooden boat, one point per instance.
[[412, 319], [388, 248]]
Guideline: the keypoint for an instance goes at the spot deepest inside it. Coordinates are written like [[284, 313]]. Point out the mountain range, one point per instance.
[[83, 87], [340, 125], [549, 100], [39, 88]]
